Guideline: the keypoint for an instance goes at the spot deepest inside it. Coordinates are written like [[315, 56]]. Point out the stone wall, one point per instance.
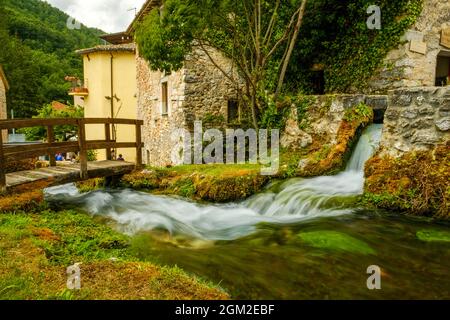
[[413, 63], [416, 119], [3, 112], [197, 90], [324, 117]]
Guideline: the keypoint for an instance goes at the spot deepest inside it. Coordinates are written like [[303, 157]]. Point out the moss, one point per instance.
[[416, 182], [217, 183], [90, 185], [433, 236], [26, 197], [36, 249], [332, 240], [330, 159]]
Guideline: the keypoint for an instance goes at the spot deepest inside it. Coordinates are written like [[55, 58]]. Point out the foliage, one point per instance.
[[249, 32], [63, 132], [334, 34], [92, 155], [361, 111], [416, 182], [38, 51]]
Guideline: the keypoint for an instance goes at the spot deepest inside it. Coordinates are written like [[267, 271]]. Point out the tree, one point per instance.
[[258, 36], [62, 133]]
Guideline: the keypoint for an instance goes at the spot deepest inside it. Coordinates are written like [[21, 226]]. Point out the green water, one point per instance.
[[299, 239], [277, 263]]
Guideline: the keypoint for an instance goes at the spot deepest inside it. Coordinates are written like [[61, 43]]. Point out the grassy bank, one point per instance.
[[36, 248]]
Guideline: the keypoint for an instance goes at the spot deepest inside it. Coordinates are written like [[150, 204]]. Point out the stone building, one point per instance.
[[167, 102], [4, 86], [423, 59]]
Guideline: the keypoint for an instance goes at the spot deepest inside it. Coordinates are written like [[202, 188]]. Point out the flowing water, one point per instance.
[[300, 239]]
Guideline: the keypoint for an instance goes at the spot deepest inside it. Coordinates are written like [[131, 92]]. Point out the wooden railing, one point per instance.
[[10, 153]]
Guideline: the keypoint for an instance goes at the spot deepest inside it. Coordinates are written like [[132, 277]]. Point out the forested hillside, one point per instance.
[[37, 52]]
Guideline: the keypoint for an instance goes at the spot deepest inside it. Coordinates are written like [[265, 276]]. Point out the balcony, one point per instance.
[[79, 91], [78, 87]]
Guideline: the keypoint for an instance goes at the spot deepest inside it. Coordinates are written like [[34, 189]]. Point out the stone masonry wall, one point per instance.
[[324, 117], [197, 90], [416, 119], [3, 112], [405, 67]]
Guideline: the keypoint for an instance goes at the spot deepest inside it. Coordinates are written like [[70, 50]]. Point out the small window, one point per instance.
[[233, 111], [165, 98]]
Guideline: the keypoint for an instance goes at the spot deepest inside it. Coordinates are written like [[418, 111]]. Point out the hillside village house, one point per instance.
[[199, 90], [109, 91], [4, 86], [165, 102]]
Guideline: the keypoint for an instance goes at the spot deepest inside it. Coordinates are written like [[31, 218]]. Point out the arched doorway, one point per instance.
[[443, 69]]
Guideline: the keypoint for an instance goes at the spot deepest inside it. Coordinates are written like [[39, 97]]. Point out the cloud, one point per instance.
[[107, 15]]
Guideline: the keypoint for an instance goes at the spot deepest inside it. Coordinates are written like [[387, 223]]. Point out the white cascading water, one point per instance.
[[293, 201]]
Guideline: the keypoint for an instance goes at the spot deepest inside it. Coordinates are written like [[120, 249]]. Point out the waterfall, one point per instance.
[[292, 201]]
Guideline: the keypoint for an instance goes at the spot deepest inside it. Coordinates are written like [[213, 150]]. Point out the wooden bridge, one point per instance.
[[68, 173]]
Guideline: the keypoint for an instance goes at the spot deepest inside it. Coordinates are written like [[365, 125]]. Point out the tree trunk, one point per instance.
[[291, 48]]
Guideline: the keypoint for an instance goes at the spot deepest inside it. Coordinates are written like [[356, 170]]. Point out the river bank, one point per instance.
[[37, 246]]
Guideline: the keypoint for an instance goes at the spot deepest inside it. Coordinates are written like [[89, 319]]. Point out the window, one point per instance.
[[233, 111], [165, 98]]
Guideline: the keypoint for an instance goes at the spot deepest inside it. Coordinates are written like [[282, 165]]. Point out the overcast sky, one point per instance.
[[107, 15]]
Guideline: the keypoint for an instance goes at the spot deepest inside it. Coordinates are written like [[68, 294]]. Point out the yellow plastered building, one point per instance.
[[110, 91]]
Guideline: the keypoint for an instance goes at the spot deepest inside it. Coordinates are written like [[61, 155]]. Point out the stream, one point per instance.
[[299, 239]]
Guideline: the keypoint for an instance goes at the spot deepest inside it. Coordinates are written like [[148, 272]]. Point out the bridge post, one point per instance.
[[138, 145], [2, 166], [83, 148], [51, 139], [108, 139]]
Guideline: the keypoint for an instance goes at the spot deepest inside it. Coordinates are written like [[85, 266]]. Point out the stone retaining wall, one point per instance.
[[416, 119], [324, 117]]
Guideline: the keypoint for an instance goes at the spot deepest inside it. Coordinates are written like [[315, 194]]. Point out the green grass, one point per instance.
[[36, 249]]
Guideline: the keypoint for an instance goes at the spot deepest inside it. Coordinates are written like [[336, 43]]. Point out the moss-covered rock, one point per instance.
[[215, 183], [332, 240], [433, 236], [331, 158], [417, 182]]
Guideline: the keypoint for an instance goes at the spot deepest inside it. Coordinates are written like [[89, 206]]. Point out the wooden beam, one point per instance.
[[27, 123], [138, 145], [83, 149], [51, 139], [2, 166], [108, 139]]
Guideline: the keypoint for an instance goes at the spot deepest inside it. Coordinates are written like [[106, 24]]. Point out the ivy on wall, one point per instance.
[[335, 35]]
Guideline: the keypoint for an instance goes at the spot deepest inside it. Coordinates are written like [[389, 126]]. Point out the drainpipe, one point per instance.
[[114, 132]]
